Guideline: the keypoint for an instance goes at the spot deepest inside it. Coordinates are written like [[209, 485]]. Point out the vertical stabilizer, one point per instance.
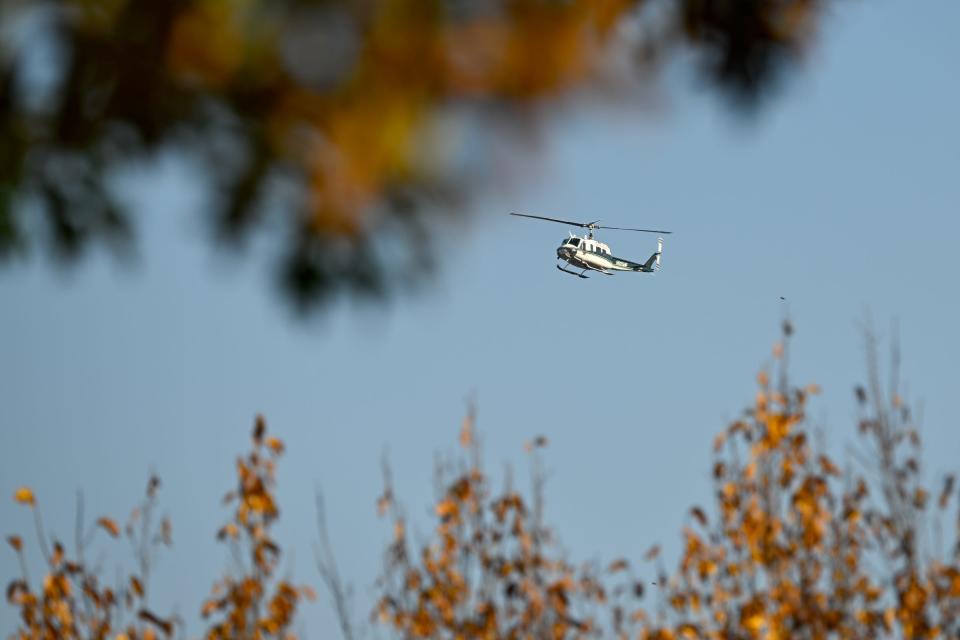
[[659, 250]]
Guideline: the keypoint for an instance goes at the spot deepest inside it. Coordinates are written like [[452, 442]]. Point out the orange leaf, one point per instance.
[[165, 625], [24, 496], [136, 585], [652, 553], [209, 607], [110, 526], [16, 590], [718, 441], [618, 565], [828, 467], [383, 503], [228, 530], [699, 515], [466, 432], [259, 428], [15, 542], [275, 444], [398, 530]]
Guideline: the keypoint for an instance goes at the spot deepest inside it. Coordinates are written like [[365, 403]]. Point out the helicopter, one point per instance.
[[589, 254]]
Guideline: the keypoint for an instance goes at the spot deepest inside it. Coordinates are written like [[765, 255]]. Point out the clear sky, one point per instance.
[[843, 197]]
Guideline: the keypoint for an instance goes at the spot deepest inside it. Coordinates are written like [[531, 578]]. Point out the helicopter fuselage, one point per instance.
[[589, 253]]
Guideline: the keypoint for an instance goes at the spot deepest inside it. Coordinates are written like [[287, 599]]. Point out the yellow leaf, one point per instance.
[[754, 621], [110, 526], [24, 496]]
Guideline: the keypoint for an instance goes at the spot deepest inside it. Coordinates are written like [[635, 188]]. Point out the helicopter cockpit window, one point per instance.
[[574, 241]]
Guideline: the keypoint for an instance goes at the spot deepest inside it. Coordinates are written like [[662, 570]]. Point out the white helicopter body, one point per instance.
[[589, 254], [586, 252]]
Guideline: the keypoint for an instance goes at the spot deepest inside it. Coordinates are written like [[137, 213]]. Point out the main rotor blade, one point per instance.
[[575, 224], [629, 229]]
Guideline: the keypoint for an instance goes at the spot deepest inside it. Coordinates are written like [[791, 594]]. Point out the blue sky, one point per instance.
[[842, 196]]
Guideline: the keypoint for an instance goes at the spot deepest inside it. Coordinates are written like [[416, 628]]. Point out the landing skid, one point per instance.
[[573, 273]]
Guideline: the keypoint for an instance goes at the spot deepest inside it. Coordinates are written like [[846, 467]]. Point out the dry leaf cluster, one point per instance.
[[795, 546], [71, 600], [243, 600]]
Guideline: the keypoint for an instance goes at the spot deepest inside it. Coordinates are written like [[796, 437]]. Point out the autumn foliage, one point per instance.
[[247, 602], [72, 600], [795, 546], [242, 599]]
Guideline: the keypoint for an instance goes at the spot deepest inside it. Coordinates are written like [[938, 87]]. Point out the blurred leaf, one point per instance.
[[275, 445], [945, 492], [109, 526], [618, 565], [24, 495]]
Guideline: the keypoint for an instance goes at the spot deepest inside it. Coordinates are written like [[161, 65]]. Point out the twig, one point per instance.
[[327, 565]]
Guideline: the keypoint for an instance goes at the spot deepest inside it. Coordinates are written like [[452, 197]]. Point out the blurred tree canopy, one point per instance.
[[349, 125]]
